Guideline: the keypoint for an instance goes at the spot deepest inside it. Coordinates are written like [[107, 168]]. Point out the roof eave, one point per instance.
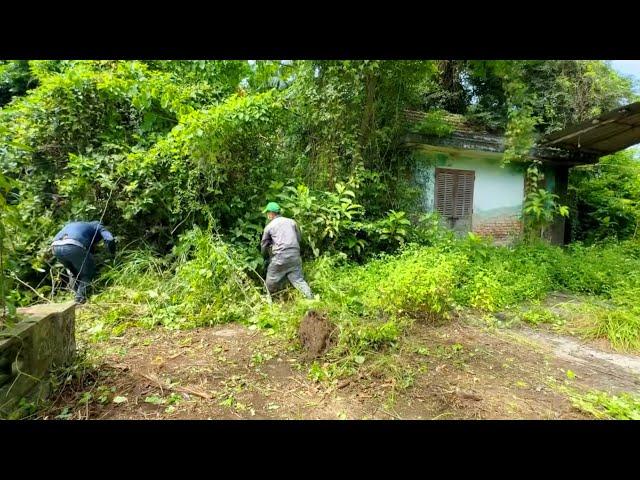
[[489, 145]]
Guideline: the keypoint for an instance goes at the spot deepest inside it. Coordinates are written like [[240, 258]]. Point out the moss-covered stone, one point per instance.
[[29, 350]]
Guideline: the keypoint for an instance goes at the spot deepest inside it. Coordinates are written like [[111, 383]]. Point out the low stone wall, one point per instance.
[[29, 350]]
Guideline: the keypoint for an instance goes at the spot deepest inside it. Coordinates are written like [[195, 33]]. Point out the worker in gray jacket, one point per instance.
[[73, 245], [283, 236]]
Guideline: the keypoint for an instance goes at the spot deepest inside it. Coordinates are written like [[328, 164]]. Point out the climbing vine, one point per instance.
[[7, 220], [541, 206]]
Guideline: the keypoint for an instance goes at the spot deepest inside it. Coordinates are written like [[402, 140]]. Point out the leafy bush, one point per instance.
[[496, 278], [606, 198], [595, 269], [204, 284], [419, 281], [537, 316]]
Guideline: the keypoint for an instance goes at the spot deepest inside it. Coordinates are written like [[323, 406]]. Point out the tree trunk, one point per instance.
[[450, 82], [366, 125]]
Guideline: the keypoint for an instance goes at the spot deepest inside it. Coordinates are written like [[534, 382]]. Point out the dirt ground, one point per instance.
[[457, 370]]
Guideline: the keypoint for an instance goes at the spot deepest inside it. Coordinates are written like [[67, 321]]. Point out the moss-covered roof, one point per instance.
[[458, 122], [461, 134]]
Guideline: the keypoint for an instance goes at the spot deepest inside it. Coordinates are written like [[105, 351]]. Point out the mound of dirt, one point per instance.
[[315, 333]]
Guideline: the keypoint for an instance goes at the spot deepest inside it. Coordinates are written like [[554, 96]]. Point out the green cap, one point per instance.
[[272, 207]]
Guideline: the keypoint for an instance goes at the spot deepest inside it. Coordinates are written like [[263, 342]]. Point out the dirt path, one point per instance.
[[452, 371], [612, 372]]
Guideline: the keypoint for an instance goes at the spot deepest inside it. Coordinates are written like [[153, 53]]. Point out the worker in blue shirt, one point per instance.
[[73, 246]]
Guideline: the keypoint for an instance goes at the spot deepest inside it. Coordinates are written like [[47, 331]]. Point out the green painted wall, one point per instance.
[[498, 190]]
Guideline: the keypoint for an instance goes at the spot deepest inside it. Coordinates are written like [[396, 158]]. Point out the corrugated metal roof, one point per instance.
[[604, 135]]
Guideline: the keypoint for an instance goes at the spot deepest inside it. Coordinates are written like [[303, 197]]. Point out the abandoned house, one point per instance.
[[462, 177]]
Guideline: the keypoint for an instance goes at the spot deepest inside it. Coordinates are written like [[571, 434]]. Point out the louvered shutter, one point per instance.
[[444, 192], [454, 192]]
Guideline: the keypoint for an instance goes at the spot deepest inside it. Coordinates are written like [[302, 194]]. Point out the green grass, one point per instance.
[[604, 406], [619, 325], [539, 315]]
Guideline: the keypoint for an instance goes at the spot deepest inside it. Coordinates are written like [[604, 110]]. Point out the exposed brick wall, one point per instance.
[[502, 229]]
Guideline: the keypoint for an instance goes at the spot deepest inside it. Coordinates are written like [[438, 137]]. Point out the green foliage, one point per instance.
[[207, 281], [203, 284], [419, 282], [394, 228], [135, 142], [607, 198], [325, 218], [605, 406], [617, 319], [212, 80], [213, 167], [558, 92], [621, 326], [539, 315], [161, 146], [596, 269], [434, 123], [210, 281], [529, 97], [350, 113], [8, 226], [495, 279], [499, 278], [333, 221], [15, 80], [541, 206], [181, 156]]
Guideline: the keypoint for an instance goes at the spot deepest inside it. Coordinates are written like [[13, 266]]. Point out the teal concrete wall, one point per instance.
[[497, 189]]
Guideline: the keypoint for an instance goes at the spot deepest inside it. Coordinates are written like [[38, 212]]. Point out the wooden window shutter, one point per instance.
[[454, 192], [444, 192]]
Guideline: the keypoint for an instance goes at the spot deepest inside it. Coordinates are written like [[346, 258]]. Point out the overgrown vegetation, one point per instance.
[[180, 157], [611, 407], [374, 303], [606, 198]]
